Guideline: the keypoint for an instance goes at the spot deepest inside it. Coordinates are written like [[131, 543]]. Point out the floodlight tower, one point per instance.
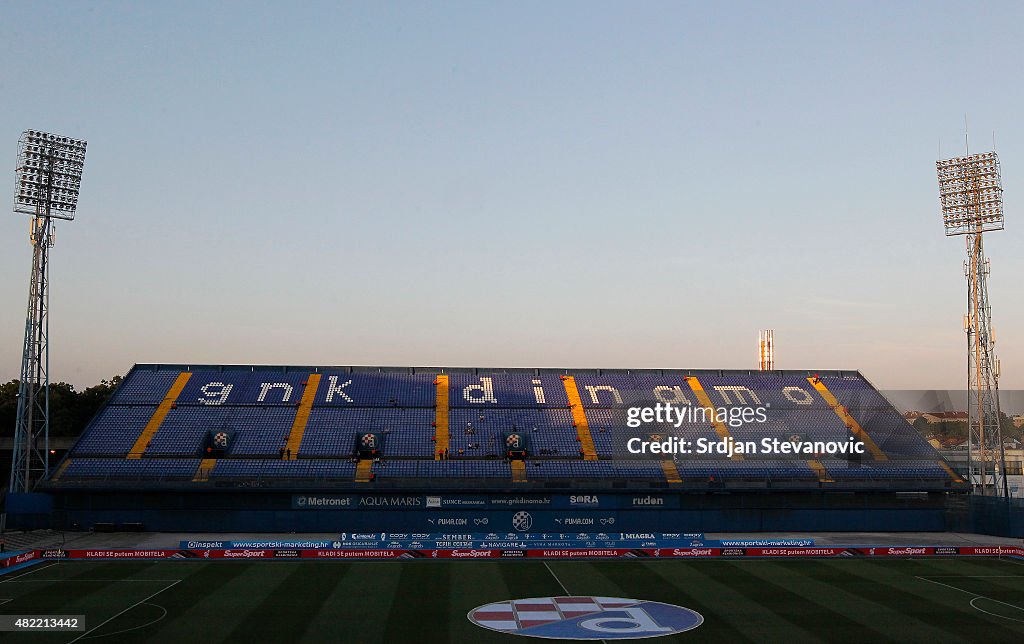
[[971, 195], [766, 350], [49, 177]]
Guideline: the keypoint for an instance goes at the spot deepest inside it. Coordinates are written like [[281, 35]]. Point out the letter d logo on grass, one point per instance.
[[585, 618]]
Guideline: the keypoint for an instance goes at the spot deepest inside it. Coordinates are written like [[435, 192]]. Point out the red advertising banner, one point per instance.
[[361, 554], [539, 553], [21, 558], [121, 554]]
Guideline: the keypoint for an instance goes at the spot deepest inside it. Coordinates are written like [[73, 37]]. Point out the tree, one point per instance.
[[70, 411], [8, 407], [92, 399]]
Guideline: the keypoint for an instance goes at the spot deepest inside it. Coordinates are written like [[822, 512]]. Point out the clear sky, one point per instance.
[[575, 184]]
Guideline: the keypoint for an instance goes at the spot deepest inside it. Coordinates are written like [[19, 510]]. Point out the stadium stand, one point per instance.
[[302, 424]]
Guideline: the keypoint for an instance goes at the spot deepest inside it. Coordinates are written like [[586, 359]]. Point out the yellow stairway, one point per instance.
[[441, 416], [705, 401], [671, 472], [363, 471], [819, 469], [579, 418], [849, 420], [158, 416], [518, 471], [60, 470], [952, 473], [302, 416], [203, 473]]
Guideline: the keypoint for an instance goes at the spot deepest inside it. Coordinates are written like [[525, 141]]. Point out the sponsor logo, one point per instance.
[[453, 522], [441, 502], [309, 501], [245, 554], [648, 500], [287, 554], [392, 501], [585, 618], [363, 536], [522, 500], [55, 554], [358, 554], [578, 521], [693, 552], [472, 554], [637, 535], [947, 550], [584, 499], [202, 545], [522, 521], [905, 551], [733, 552]]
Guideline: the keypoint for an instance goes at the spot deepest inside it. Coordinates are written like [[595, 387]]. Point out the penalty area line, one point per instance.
[[978, 596], [112, 618]]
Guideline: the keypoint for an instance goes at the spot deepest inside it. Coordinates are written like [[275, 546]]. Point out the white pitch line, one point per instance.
[[26, 574], [133, 628], [976, 595], [110, 619], [564, 589], [33, 581], [1012, 619], [973, 576]]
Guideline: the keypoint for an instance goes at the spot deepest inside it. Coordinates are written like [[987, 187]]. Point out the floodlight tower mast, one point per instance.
[[49, 177], [971, 194]]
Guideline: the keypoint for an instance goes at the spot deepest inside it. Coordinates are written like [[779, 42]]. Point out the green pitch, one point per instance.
[[851, 600]]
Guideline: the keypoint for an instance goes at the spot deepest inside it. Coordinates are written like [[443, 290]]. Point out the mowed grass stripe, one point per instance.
[[213, 607], [201, 581], [419, 612], [355, 609], [529, 579], [944, 608], [723, 603], [92, 589], [996, 578], [864, 600], [821, 615], [979, 576], [475, 583], [282, 615], [670, 582]]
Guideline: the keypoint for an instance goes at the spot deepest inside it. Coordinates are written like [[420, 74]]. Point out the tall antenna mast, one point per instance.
[[766, 350]]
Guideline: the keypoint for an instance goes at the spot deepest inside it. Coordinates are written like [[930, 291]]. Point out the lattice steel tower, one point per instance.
[[49, 177], [971, 194]]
